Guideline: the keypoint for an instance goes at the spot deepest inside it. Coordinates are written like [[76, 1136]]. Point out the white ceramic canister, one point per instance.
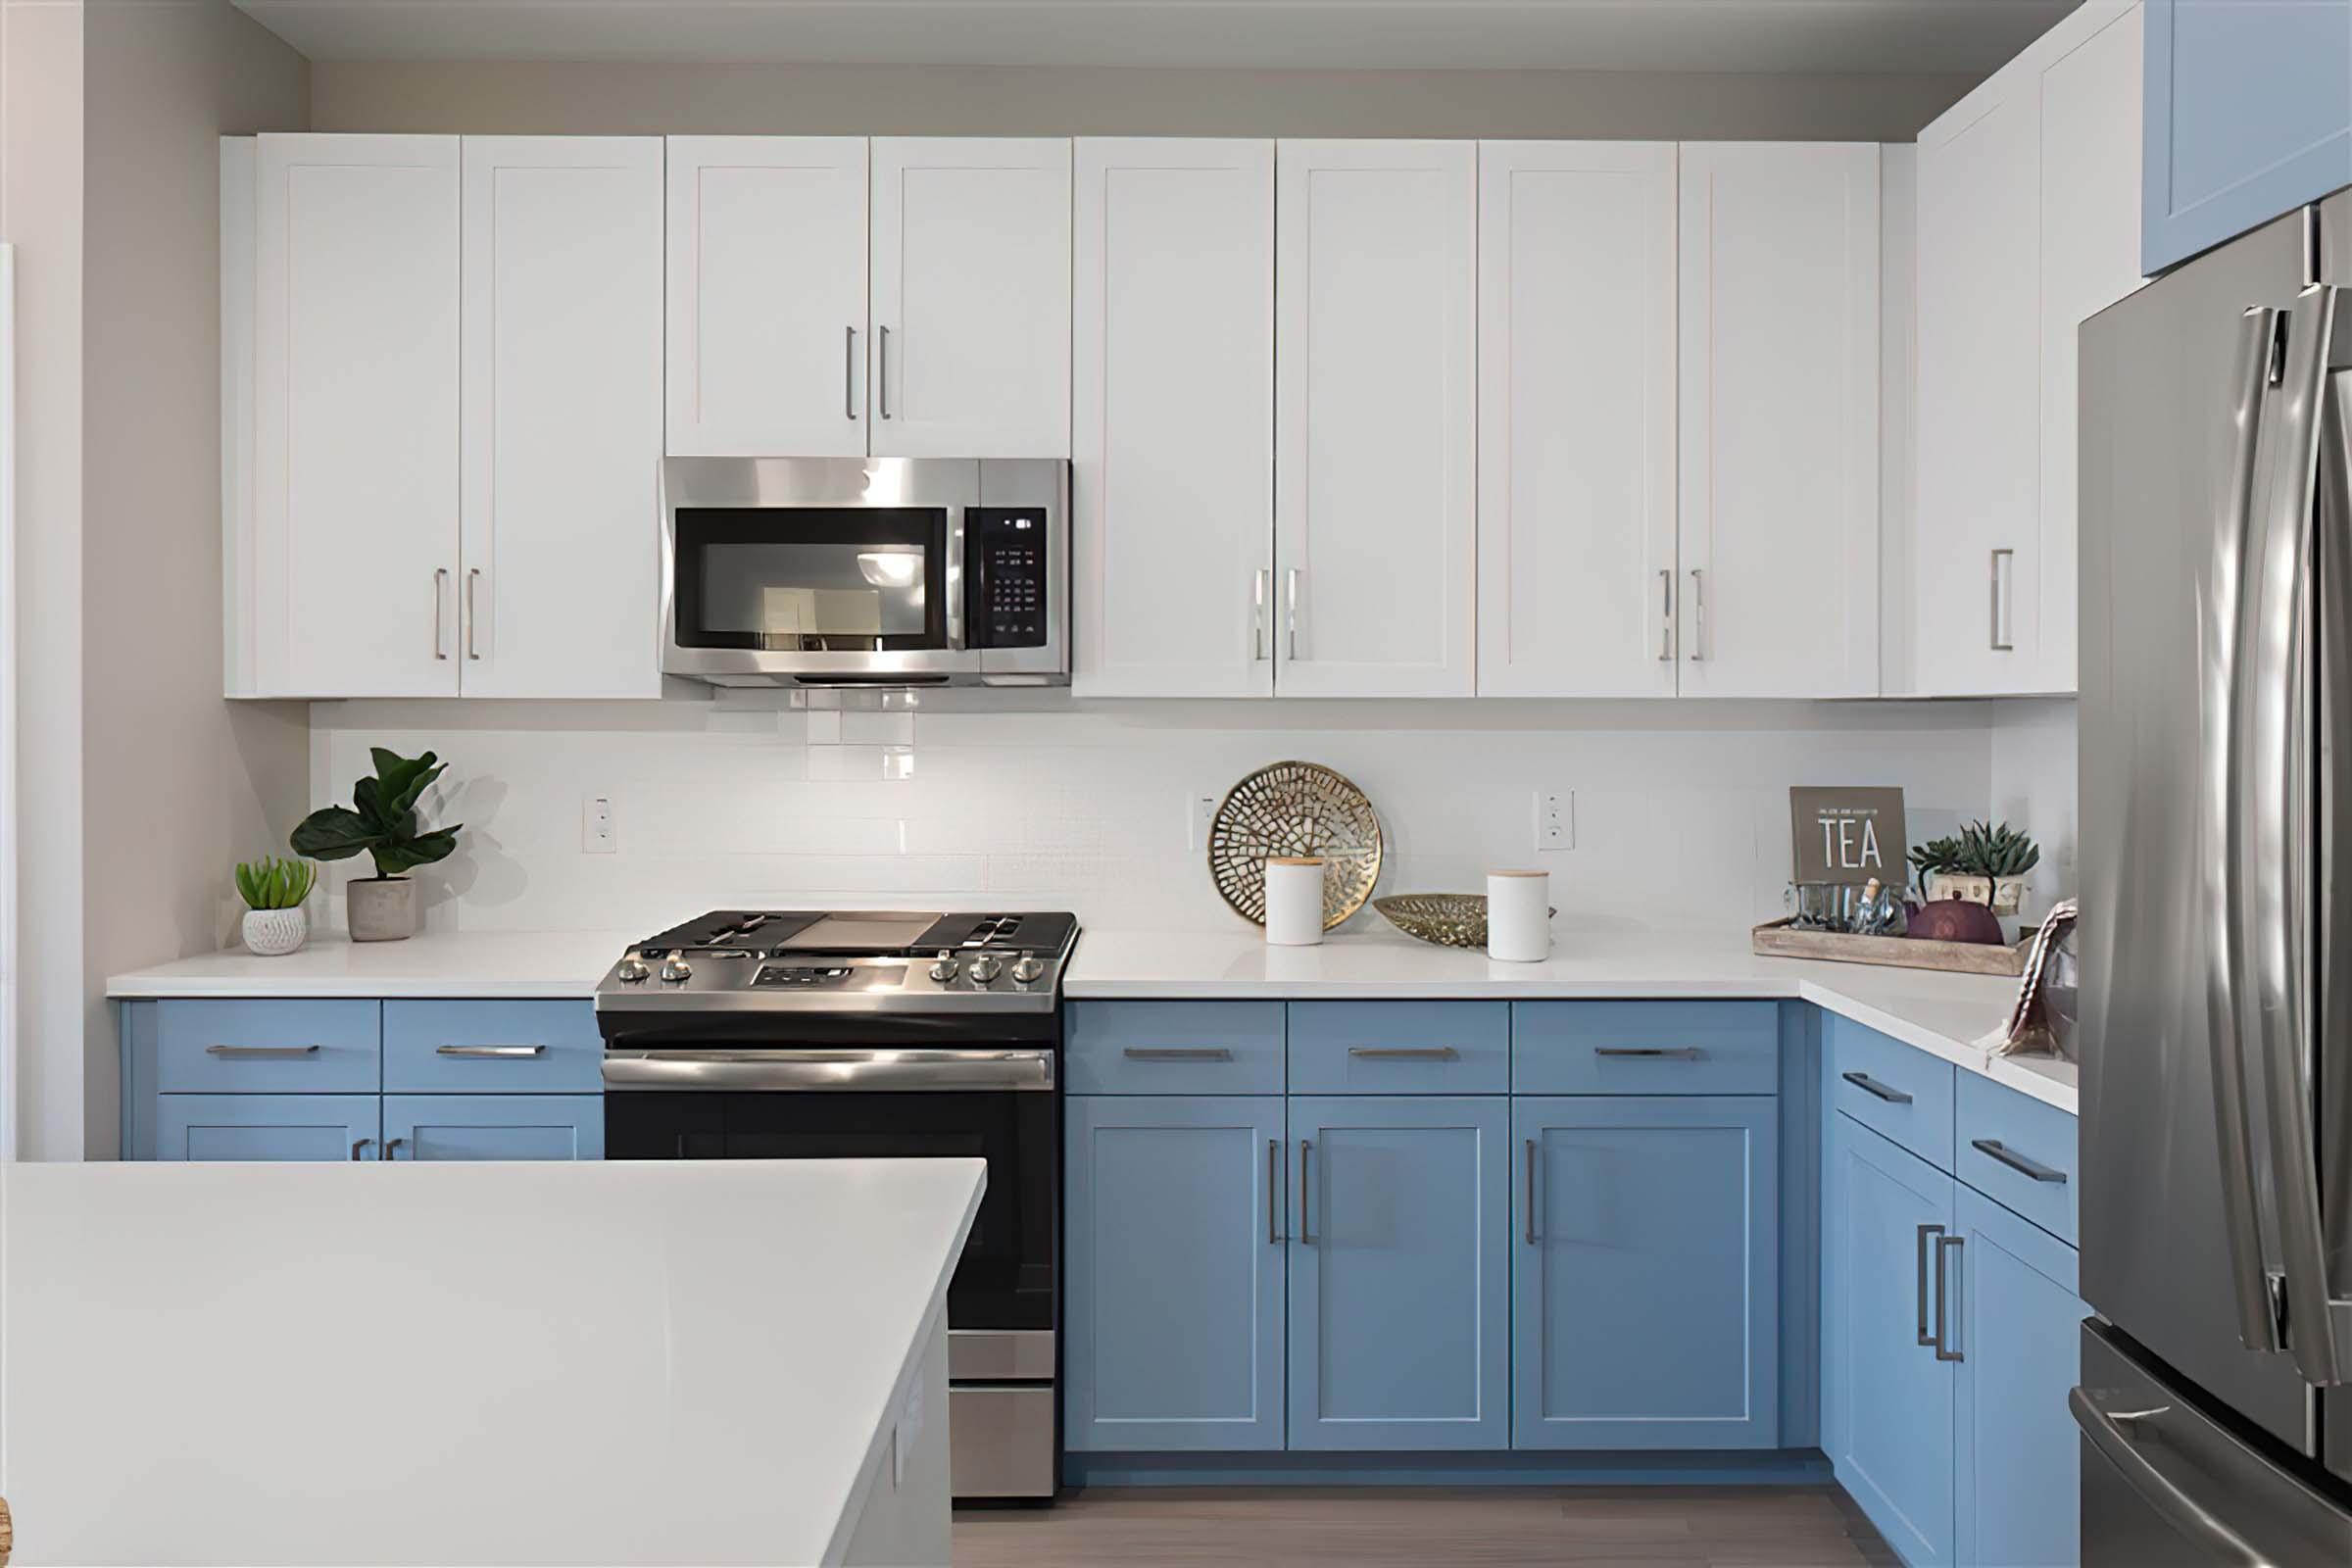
[[1519, 916], [1294, 902]]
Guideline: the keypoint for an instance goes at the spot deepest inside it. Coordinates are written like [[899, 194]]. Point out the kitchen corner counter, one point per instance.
[[557, 965], [1943, 1015]]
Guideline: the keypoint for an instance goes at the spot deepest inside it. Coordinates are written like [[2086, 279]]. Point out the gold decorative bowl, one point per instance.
[[1449, 919]]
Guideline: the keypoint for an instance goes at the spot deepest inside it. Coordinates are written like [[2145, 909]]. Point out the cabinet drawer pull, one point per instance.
[[2016, 1162], [1921, 1251], [502, 1053], [1258, 614], [1698, 615], [1305, 1232], [392, 1149], [849, 375], [1531, 1192], [253, 1053], [882, 369], [1665, 616], [1273, 1190], [1945, 1246], [1177, 1053], [473, 616], [1676, 1053], [440, 586], [1404, 1052], [1871, 1086], [2001, 640]]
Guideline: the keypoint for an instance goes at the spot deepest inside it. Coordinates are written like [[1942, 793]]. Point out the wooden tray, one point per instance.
[[1775, 940]]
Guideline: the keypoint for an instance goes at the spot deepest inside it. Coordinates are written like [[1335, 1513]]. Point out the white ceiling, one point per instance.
[[1960, 37]]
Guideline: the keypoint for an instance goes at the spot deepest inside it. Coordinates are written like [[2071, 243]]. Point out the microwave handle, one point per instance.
[[957, 588]]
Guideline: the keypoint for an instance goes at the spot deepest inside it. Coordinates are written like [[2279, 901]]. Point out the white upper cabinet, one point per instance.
[[767, 278], [561, 397], [350, 579], [1778, 588], [1375, 418], [1576, 418], [970, 298], [1173, 481], [2028, 223]]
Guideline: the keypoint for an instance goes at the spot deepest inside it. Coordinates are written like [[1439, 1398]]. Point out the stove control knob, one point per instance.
[[675, 969], [985, 968], [630, 971], [1027, 967], [944, 970]]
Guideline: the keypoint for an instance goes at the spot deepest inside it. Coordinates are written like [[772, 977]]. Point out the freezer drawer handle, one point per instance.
[[2182, 1512], [1994, 1149], [1871, 1086]]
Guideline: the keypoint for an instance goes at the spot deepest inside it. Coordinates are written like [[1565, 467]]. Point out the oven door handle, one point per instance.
[[884, 1071]]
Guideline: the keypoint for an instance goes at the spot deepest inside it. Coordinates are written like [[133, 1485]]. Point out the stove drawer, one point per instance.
[[1173, 1048]]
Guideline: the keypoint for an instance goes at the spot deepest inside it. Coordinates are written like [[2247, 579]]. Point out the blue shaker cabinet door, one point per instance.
[[452, 1127], [1646, 1272], [2012, 1289], [2248, 109], [1172, 1330], [266, 1127], [1400, 1319], [1891, 1431]]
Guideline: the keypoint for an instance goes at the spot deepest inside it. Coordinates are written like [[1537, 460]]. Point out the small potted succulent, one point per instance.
[[382, 820], [276, 923], [1982, 865]]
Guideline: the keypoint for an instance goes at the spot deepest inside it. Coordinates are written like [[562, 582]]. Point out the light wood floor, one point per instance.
[[1495, 1527]]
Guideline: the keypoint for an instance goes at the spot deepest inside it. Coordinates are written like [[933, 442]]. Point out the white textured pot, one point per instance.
[[274, 933], [380, 909]]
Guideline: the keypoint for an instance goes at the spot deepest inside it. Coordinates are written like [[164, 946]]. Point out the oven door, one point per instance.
[[817, 570], [874, 1105]]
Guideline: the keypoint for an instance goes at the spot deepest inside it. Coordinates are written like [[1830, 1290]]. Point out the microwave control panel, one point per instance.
[[1004, 576]]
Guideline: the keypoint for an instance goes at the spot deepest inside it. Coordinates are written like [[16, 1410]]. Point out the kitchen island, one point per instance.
[[721, 1362]]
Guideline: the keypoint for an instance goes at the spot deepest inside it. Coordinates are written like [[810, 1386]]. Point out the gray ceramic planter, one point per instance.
[[380, 909]]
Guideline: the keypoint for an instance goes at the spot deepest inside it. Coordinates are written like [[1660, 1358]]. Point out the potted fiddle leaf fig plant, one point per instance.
[[273, 891], [381, 819]]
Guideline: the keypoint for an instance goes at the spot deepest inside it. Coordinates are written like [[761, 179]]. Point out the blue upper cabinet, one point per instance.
[[1172, 1327], [2248, 114], [1887, 1388], [2019, 1336], [1400, 1318], [1646, 1273]]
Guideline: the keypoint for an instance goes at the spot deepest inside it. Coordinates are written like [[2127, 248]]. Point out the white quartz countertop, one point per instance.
[[700, 1361], [1942, 1014]]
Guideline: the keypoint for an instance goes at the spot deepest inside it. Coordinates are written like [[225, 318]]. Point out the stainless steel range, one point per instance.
[[862, 1034]]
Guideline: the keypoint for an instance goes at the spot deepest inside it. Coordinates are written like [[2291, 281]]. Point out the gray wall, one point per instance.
[[581, 98], [177, 783]]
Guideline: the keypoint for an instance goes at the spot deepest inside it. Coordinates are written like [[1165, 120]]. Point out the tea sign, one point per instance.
[[1848, 835]]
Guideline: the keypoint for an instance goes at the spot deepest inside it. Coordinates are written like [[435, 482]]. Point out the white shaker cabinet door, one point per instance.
[[1173, 440], [1376, 406], [560, 595], [1576, 418], [971, 297], [1976, 553], [1779, 593], [2091, 198], [767, 278], [354, 556]]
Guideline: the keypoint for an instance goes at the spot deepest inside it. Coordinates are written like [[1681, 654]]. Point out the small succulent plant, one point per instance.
[[1978, 850], [270, 883]]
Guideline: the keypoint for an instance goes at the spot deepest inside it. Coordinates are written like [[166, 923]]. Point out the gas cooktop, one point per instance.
[[848, 960]]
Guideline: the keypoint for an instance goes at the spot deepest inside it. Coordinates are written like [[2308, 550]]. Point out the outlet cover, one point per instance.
[[1556, 820], [1200, 810], [596, 825]]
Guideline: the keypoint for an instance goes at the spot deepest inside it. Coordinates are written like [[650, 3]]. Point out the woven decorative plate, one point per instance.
[[1449, 919], [1294, 809]]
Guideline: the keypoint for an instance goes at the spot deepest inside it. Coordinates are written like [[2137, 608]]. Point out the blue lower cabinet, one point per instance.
[[1889, 1389], [1173, 1315], [2012, 1293], [266, 1127], [449, 1127], [1646, 1272], [1400, 1311]]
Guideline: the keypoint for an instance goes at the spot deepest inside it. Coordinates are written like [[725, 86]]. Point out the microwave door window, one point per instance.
[[809, 581]]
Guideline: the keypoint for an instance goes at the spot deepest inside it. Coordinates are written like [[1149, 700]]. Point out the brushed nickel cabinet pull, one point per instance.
[[1290, 615], [474, 615], [882, 368], [1177, 1053], [849, 375], [1258, 614], [502, 1053], [1698, 613], [1666, 616], [440, 587], [257, 1053], [2002, 639], [1404, 1052]]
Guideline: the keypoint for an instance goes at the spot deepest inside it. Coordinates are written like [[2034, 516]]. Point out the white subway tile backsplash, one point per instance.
[[1682, 809]]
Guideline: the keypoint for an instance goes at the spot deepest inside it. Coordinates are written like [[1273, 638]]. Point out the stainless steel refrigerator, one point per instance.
[[2216, 536]]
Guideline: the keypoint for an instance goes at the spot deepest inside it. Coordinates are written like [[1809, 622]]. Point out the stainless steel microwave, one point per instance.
[[866, 571]]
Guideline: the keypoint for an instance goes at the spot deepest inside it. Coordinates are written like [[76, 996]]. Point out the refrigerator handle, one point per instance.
[[2276, 840], [2223, 653]]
